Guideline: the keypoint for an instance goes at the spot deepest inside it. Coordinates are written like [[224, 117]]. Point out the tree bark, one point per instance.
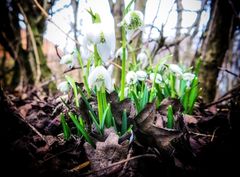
[[215, 45]]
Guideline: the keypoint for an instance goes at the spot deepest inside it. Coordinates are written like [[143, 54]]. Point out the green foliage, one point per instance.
[[170, 117]]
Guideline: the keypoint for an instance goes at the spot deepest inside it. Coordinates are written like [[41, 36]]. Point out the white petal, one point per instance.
[[176, 69], [158, 78], [141, 75], [131, 78], [104, 51], [100, 77], [119, 53], [188, 76]]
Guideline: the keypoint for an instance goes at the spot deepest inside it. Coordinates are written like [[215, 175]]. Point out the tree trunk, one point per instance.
[[118, 16], [215, 45]]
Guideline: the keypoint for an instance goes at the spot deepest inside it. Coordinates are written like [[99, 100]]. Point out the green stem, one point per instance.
[[84, 75], [100, 108], [123, 74], [97, 58]]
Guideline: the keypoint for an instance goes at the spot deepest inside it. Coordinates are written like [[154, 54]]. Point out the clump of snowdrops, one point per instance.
[[140, 81]]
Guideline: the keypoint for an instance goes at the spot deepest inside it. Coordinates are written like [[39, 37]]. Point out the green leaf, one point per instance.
[[81, 129], [66, 129], [127, 9], [71, 81], [193, 95], [144, 99], [170, 117], [135, 99], [124, 122], [104, 117]]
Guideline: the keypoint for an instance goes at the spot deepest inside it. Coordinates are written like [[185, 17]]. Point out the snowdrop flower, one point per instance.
[[99, 78], [141, 75], [158, 78], [143, 59], [63, 87], [132, 21], [101, 34], [175, 69], [188, 77], [69, 60], [103, 37], [119, 53], [131, 78]]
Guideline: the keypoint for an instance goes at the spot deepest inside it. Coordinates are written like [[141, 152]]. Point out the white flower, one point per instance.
[[103, 36], [120, 52], [100, 77], [158, 78], [175, 69], [69, 60], [143, 59], [188, 76], [63, 87], [132, 20], [141, 75], [131, 78]]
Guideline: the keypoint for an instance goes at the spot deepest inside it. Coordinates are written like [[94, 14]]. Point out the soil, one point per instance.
[[32, 143]]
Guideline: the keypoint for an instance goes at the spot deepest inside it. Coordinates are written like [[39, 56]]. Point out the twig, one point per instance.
[[230, 72], [219, 101], [118, 163], [57, 52], [50, 20]]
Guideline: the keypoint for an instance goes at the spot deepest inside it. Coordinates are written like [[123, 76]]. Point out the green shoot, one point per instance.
[[81, 129], [71, 81], [170, 117], [66, 129]]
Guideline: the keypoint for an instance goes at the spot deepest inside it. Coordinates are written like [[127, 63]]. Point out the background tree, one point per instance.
[[223, 22], [29, 61]]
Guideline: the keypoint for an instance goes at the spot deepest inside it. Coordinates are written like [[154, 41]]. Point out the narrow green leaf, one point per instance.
[[81, 129], [66, 129], [71, 81], [194, 92], [135, 99], [170, 117], [104, 117]]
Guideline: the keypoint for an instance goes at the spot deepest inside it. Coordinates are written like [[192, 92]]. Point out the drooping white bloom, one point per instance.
[[103, 37], [143, 59], [175, 69], [63, 87], [133, 20], [68, 60], [158, 78], [101, 34], [141, 75], [99, 78], [131, 78], [188, 76], [119, 53]]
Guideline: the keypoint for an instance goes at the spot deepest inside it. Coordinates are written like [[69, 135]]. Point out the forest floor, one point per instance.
[[32, 142]]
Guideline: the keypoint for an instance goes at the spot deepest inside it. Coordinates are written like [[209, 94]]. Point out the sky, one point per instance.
[[63, 19]]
